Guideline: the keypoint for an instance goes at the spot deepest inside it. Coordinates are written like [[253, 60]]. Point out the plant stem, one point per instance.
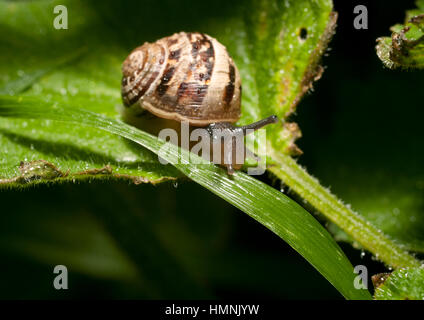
[[362, 231]]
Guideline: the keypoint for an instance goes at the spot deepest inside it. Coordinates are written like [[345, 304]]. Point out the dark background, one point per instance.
[[352, 114]]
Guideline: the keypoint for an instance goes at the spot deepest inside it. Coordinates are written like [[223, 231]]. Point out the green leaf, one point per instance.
[[279, 54], [406, 46], [276, 45], [268, 206], [281, 144], [403, 284], [63, 66]]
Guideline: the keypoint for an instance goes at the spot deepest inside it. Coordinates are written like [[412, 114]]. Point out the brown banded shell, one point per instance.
[[184, 77]]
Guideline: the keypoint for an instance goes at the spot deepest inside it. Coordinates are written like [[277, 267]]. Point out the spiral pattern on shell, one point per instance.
[[184, 77]]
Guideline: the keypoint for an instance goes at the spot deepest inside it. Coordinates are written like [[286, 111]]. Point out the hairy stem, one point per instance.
[[362, 231]]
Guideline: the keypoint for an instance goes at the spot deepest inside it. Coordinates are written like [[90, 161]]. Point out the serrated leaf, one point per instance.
[[283, 44], [402, 284], [405, 48], [63, 66]]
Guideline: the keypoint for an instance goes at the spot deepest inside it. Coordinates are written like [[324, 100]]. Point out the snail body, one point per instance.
[[186, 77]]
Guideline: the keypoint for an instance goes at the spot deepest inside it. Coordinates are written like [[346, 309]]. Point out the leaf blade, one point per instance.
[[271, 208]]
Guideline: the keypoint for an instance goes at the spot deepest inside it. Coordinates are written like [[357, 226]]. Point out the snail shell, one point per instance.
[[184, 77]]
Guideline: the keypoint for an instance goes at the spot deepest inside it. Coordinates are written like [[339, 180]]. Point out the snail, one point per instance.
[[188, 77]]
